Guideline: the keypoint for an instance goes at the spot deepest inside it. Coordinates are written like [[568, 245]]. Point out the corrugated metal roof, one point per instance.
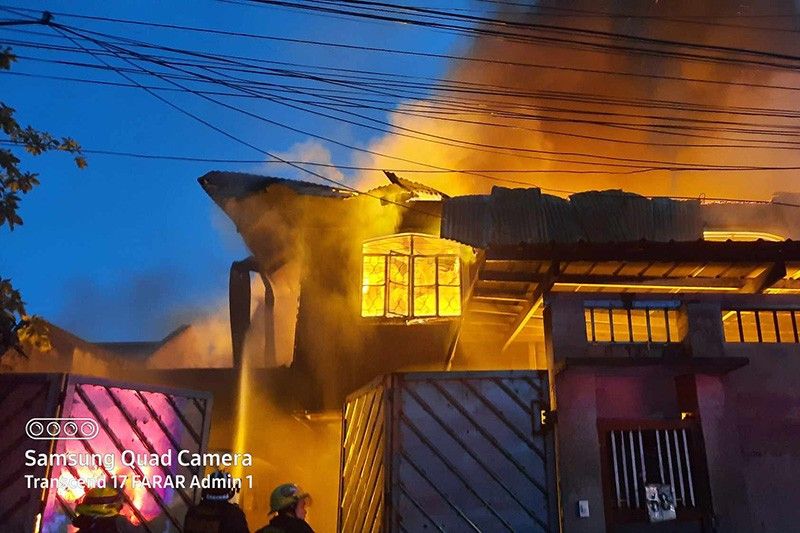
[[516, 216], [417, 191], [221, 185]]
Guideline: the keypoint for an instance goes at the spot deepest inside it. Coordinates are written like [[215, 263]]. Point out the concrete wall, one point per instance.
[[764, 400], [750, 417]]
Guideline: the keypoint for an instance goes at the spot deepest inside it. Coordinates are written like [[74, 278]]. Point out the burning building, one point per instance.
[[666, 328]]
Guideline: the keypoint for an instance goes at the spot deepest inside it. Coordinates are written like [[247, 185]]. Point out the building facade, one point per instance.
[[669, 329]]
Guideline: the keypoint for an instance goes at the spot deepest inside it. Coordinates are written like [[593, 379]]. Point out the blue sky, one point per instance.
[[128, 248]]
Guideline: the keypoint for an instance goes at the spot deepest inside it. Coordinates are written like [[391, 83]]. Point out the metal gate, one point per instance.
[[449, 451], [142, 419]]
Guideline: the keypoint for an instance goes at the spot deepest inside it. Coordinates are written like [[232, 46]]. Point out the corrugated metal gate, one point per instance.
[[143, 419], [449, 451]]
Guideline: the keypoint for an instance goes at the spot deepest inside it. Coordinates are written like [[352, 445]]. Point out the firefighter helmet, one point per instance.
[[286, 496], [98, 501], [219, 486]]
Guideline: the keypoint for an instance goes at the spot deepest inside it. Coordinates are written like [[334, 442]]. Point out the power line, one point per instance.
[[418, 53], [297, 165], [781, 132], [648, 162], [589, 155], [446, 84], [434, 138], [198, 159], [374, 10]]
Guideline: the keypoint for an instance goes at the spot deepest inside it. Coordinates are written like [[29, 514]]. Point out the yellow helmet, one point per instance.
[[98, 501]]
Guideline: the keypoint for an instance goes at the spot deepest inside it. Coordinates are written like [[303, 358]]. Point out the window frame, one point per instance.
[[411, 286]]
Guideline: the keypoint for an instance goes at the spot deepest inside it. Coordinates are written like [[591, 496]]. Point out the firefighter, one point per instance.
[[98, 512], [289, 503], [215, 513]]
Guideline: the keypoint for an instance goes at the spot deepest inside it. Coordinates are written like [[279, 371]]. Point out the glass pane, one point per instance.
[[397, 243], [749, 326], [424, 301], [730, 325], [424, 271], [374, 270], [398, 300], [449, 301], [372, 297], [621, 332], [398, 269], [602, 325], [658, 325], [449, 272], [674, 334], [785, 326], [767, 323], [639, 322]]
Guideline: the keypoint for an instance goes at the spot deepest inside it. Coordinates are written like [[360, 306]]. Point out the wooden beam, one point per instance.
[[605, 279], [508, 276], [535, 302], [693, 251], [478, 266], [733, 283], [771, 275]]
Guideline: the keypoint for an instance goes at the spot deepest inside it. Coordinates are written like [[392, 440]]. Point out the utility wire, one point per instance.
[[436, 139], [377, 10], [257, 148], [418, 53], [607, 124]]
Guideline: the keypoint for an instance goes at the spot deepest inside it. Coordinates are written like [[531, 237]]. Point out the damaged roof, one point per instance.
[[416, 191], [516, 216], [222, 185]]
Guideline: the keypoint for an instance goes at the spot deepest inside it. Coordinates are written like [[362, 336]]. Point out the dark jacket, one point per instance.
[[215, 517], [286, 524], [104, 524]]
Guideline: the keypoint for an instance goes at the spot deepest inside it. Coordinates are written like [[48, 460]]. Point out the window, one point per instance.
[[634, 322], [733, 235], [761, 325], [411, 276]]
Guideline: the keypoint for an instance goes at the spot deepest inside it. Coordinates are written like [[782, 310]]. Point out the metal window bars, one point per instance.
[[615, 321], [642, 456], [761, 325]]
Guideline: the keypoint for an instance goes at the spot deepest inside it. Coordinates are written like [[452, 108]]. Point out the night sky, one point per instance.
[[128, 248]]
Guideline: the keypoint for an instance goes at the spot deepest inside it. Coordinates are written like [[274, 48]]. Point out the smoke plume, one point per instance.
[[627, 122]]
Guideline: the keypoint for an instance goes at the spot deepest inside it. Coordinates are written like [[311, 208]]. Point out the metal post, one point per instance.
[[616, 468]]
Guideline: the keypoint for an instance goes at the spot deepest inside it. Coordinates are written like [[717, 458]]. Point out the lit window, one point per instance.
[[761, 325], [635, 322], [410, 276], [731, 235]]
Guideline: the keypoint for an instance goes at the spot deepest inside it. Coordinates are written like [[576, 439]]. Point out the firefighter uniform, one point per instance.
[[98, 512], [215, 513], [215, 517]]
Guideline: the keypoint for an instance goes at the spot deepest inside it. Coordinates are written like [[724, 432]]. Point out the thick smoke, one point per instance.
[[566, 128]]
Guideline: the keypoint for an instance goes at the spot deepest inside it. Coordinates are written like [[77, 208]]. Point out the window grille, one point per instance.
[[635, 322], [761, 325], [411, 276], [642, 456]]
